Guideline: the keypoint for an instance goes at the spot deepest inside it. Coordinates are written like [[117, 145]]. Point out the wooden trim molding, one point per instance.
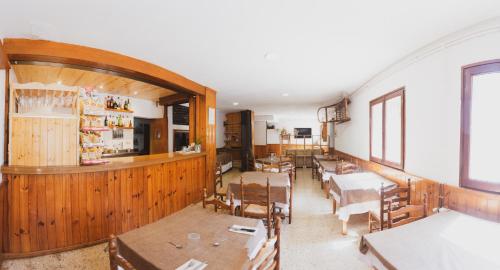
[[400, 92], [117, 163], [35, 51], [467, 73]]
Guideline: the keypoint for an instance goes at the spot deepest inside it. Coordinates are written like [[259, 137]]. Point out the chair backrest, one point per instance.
[[393, 198], [286, 163], [344, 167], [254, 194], [115, 260], [218, 175], [218, 204], [268, 257], [407, 214]]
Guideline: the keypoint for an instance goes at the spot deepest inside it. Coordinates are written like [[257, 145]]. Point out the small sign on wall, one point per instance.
[[211, 116]]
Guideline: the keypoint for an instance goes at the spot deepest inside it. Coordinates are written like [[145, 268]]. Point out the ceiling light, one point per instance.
[[101, 87], [270, 56], [235, 104], [59, 82], [285, 94], [135, 93]]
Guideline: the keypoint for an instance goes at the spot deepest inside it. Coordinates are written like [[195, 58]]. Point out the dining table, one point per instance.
[[316, 163], [447, 240], [356, 193], [281, 188], [193, 233]]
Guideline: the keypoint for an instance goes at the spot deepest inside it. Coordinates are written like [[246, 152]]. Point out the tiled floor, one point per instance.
[[312, 241]]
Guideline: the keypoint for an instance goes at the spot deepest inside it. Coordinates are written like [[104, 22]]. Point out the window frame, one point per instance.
[[400, 92], [492, 66]]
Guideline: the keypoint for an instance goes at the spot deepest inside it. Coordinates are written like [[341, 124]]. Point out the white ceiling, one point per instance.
[[319, 49]]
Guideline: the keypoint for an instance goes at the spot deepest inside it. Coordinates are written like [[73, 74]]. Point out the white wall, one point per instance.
[[220, 117], [288, 117], [146, 108], [432, 78]]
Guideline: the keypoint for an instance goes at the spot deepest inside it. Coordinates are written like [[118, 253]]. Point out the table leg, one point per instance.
[[344, 227]]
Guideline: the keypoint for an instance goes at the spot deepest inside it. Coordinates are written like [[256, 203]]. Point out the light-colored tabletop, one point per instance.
[[444, 241]]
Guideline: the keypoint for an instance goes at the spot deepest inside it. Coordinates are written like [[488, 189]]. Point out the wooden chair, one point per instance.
[[270, 168], [218, 204], [391, 198], [344, 167], [407, 214], [252, 164], [268, 257], [220, 191], [288, 166], [115, 260], [256, 202]]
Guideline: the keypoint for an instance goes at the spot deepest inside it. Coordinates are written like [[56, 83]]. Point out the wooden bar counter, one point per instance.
[[50, 209]]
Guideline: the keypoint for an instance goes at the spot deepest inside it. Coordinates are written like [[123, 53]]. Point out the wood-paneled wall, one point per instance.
[[38, 141], [262, 151], [475, 203], [210, 141], [46, 213]]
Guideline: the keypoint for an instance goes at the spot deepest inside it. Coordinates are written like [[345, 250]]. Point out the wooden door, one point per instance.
[[158, 136]]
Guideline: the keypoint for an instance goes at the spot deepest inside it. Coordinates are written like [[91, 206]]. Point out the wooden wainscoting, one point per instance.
[[56, 212], [475, 203], [262, 151]]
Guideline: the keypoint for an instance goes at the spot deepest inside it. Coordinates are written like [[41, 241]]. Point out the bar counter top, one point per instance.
[[114, 164]]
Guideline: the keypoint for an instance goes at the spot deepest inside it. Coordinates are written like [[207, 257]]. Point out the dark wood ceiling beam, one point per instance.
[[174, 99]]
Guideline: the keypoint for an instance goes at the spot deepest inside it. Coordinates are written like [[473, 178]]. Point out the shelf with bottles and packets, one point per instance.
[[92, 115]]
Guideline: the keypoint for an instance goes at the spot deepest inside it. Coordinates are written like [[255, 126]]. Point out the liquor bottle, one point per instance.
[[125, 106], [106, 121], [120, 124]]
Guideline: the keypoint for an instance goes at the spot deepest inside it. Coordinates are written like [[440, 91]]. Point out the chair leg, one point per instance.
[[327, 192], [369, 222], [344, 227], [334, 206]]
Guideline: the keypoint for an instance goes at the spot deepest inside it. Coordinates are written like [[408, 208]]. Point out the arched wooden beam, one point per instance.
[[4, 62], [57, 53]]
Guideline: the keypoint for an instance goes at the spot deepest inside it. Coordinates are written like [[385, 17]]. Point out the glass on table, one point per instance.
[[193, 240]]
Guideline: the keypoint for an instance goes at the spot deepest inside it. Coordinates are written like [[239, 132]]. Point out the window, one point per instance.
[[480, 143], [387, 129]]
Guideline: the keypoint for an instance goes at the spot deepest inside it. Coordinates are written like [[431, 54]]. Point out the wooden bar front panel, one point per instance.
[[38, 141], [61, 211]]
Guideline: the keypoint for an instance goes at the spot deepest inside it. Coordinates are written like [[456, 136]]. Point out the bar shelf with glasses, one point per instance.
[[36, 99]]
